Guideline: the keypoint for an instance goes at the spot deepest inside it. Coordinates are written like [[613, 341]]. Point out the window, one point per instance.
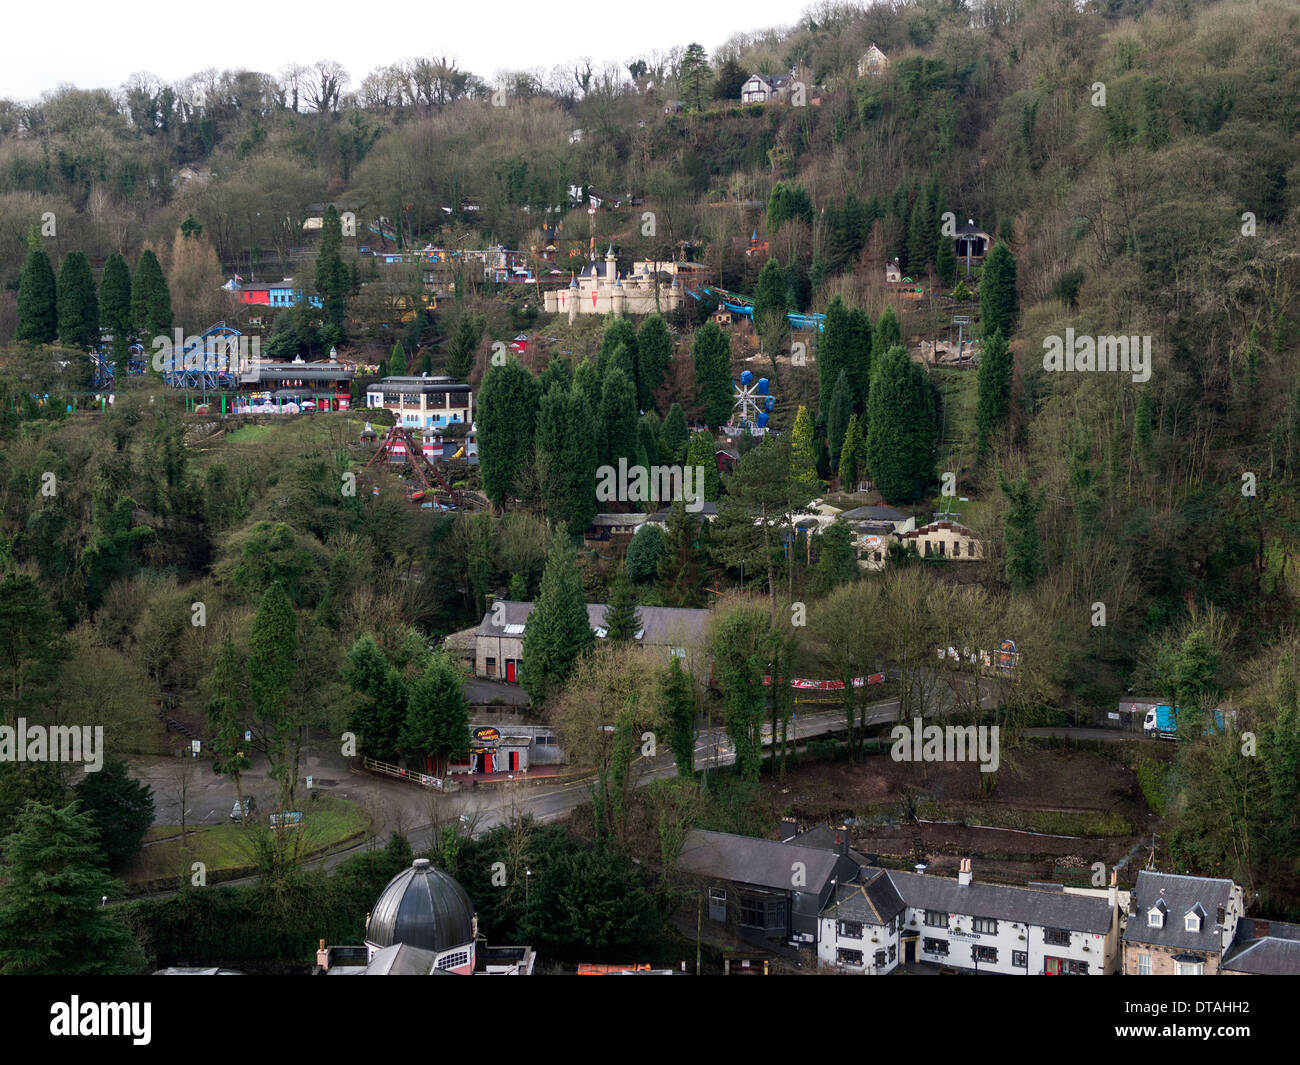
[[935, 946], [1074, 968], [1193, 923], [1144, 965], [851, 929], [984, 924], [936, 919], [880, 959], [491, 669], [1189, 968], [1155, 919], [768, 914], [452, 961], [956, 549], [893, 952], [1020, 959], [1057, 937], [848, 957], [988, 954]]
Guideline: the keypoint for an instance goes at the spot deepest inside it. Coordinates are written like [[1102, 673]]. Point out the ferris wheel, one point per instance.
[[753, 403]]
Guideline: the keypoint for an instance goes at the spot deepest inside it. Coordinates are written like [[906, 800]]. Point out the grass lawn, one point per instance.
[[227, 848]]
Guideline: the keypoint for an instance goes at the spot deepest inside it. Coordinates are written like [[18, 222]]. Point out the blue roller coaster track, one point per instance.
[[744, 306], [209, 361]]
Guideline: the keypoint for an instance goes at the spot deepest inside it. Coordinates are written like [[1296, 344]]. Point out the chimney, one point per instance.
[[323, 957], [1112, 896], [964, 874], [1261, 929], [843, 836], [1221, 916], [789, 829]]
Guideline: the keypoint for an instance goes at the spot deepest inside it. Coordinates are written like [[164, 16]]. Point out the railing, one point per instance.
[[423, 779]]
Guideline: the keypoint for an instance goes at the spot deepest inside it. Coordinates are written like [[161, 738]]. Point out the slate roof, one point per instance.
[[1265, 948], [1036, 906], [760, 862], [873, 514], [417, 385], [1180, 895], [660, 625], [402, 959], [874, 899], [708, 510]]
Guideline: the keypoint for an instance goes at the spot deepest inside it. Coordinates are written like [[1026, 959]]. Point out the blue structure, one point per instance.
[[210, 361], [744, 306]]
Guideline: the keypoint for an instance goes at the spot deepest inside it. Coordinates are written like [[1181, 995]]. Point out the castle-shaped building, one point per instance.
[[599, 290]]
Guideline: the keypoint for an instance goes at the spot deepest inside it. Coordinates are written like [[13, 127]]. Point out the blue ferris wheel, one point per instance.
[[753, 403]]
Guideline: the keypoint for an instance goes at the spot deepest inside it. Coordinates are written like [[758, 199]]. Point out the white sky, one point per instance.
[[92, 44]]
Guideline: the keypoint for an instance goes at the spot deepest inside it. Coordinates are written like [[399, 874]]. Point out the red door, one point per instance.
[[1052, 966], [514, 761], [510, 671], [488, 762]]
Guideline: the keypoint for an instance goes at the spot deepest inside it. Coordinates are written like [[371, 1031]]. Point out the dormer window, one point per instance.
[[1192, 923], [1155, 919]]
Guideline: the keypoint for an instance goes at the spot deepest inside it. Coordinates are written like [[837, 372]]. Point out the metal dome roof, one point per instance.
[[422, 907]]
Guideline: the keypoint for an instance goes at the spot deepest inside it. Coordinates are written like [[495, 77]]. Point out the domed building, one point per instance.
[[423, 924], [425, 908]]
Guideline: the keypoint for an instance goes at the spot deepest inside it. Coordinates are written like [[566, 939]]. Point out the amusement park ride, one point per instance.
[[753, 404], [399, 445], [210, 361]]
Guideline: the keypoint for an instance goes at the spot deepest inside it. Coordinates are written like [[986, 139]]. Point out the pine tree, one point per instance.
[[567, 457], [619, 332], [151, 302], [507, 419], [804, 455], [558, 630], [654, 348], [837, 560], [850, 464], [838, 415], [945, 266], [38, 318], [618, 418], [858, 360], [377, 719], [52, 922], [115, 312], [712, 355], [888, 335], [463, 344], [644, 553], [120, 808], [832, 349], [673, 436], [999, 303], [397, 361], [437, 715], [1024, 562], [676, 716], [78, 305], [902, 427], [994, 388], [332, 278], [702, 454], [622, 620], [680, 573]]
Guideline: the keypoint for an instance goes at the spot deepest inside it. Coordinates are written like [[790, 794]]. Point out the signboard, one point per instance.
[[309, 783], [195, 746], [486, 734], [287, 820], [1113, 716]]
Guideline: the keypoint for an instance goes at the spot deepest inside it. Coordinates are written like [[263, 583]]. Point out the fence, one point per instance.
[[423, 779]]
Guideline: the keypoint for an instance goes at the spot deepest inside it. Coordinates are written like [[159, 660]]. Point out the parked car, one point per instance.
[[250, 808]]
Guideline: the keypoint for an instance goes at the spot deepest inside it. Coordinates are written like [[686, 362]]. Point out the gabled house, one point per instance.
[[873, 63], [1180, 925], [760, 88], [764, 889]]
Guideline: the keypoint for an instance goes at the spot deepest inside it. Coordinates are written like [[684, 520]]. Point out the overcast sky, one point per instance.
[[94, 44]]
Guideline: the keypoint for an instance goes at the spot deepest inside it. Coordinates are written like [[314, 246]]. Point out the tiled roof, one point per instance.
[[660, 625]]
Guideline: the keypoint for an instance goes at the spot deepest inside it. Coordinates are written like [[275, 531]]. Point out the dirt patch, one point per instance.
[[1050, 814]]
